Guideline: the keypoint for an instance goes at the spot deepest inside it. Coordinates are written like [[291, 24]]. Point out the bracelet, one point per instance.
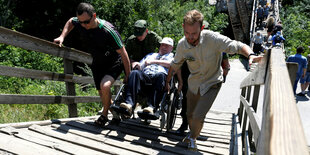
[[250, 55]]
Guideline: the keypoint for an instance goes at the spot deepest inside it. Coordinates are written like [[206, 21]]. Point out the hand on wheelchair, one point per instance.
[[136, 66]]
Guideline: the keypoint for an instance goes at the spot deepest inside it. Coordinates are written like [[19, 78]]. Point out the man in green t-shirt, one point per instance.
[[141, 43]]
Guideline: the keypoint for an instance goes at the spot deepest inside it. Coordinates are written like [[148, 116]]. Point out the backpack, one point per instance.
[[277, 39]]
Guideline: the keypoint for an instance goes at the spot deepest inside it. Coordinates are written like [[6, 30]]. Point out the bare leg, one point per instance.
[[303, 87], [105, 93]]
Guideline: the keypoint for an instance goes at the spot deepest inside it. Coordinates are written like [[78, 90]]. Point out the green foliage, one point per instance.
[[33, 17], [296, 25], [165, 17]]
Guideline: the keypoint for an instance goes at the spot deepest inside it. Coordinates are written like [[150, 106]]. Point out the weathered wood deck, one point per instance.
[[80, 136]]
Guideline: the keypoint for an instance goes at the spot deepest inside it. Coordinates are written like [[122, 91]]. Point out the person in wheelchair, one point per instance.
[[149, 76]]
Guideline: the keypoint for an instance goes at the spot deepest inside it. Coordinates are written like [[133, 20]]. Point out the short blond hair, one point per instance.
[[193, 16]]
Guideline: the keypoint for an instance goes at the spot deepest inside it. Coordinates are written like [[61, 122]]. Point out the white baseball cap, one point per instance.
[[168, 41]]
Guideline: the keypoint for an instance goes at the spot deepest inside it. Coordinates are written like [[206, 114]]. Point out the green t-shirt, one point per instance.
[[138, 49]]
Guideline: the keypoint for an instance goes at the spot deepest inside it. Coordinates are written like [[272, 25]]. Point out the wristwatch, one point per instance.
[[250, 55]]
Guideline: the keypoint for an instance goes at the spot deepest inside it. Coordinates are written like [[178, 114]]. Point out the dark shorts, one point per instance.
[[100, 70]]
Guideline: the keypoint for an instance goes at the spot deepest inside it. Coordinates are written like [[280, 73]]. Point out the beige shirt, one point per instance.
[[204, 60]]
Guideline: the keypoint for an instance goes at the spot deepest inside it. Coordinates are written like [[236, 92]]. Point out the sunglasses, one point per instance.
[[86, 21]]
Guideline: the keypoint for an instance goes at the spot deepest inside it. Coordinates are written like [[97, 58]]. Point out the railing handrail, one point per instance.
[[28, 42], [280, 131]]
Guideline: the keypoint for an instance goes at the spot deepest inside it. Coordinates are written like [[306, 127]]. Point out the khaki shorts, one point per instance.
[[198, 106]]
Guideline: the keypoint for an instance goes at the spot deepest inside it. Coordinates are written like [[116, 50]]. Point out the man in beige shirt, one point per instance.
[[202, 51]]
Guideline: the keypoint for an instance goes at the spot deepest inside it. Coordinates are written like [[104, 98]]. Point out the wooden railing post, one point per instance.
[[240, 110], [70, 87], [254, 106], [292, 70]]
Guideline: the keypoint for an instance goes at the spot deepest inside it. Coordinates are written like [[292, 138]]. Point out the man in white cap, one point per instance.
[[152, 69]]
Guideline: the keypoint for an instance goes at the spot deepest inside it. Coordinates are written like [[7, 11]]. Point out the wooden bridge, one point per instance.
[[280, 130]]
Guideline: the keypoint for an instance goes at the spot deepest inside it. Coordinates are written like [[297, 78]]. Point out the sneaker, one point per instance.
[[192, 146], [126, 106], [301, 94], [149, 110]]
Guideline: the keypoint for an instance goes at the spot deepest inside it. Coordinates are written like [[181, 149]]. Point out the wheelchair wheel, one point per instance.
[[162, 121], [172, 110]]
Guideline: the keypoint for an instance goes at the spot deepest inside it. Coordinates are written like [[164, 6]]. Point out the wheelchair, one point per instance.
[[166, 112]]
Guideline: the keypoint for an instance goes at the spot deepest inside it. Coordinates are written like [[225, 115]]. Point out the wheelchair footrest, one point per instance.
[[121, 111], [148, 116]]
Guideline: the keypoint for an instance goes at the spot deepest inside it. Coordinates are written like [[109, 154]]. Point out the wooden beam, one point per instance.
[[46, 122], [237, 135], [282, 131], [28, 42], [257, 77], [19, 146], [43, 75], [244, 18], [81, 141], [253, 118], [45, 99], [235, 20]]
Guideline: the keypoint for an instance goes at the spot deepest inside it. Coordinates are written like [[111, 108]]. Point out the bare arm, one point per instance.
[[304, 72], [66, 30], [164, 63], [247, 52], [122, 51]]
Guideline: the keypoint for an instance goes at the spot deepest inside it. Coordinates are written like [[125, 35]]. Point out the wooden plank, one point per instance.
[[18, 146], [254, 106], [138, 126], [204, 135], [282, 131], [4, 152], [43, 75], [157, 141], [237, 147], [254, 119], [226, 119], [154, 128], [53, 143], [246, 144], [28, 42], [84, 142], [208, 130], [45, 99], [257, 77], [107, 140], [46, 122]]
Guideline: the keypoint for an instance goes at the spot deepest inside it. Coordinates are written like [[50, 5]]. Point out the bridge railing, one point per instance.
[[69, 55], [280, 130]]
